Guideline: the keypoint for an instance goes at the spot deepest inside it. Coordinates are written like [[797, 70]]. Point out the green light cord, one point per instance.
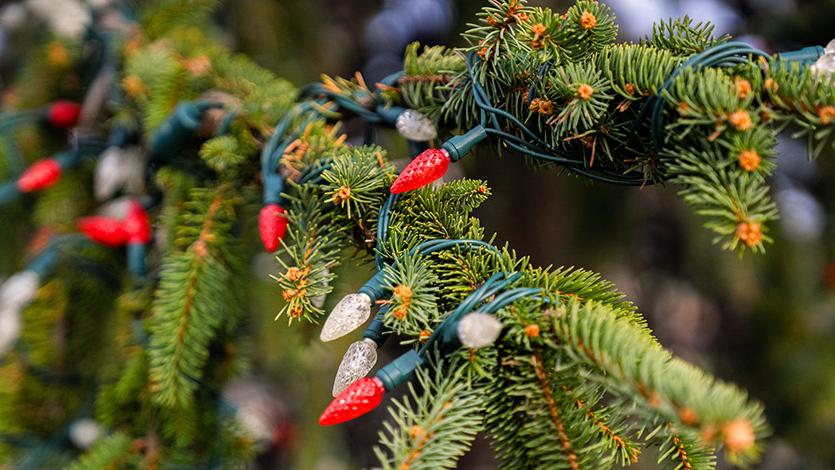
[[536, 148], [727, 54], [267, 159], [376, 329], [486, 290], [508, 297], [382, 228], [317, 90], [314, 175]]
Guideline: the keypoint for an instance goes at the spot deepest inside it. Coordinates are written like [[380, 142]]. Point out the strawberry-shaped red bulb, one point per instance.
[[41, 175], [272, 224], [137, 226], [358, 399], [427, 167], [104, 230], [63, 114]]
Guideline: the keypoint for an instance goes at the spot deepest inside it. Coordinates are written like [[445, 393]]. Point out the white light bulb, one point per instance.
[[85, 432], [477, 330], [319, 300], [19, 289], [107, 179], [348, 315], [67, 18], [413, 125], [9, 329], [259, 411], [117, 169], [12, 16], [825, 66], [830, 48], [357, 362]]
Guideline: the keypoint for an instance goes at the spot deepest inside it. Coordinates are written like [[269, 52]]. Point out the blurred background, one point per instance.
[[763, 322]]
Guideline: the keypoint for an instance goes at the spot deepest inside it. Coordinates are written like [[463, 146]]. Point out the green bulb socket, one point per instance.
[[375, 287], [400, 370], [377, 330], [461, 145], [807, 55], [180, 126], [43, 263], [136, 259], [273, 187]]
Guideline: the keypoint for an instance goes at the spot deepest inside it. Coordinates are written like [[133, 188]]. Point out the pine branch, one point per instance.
[[115, 451], [433, 425], [683, 36], [637, 371], [162, 16], [191, 299], [413, 305], [591, 102]]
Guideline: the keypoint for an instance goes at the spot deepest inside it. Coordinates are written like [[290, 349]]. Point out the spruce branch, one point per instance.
[[191, 299], [593, 106], [115, 451], [683, 36], [413, 304], [636, 370], [434, 424]]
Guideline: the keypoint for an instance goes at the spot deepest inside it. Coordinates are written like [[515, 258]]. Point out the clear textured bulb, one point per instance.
[[414, 125], [9, 329], [68, 18], [825, 66], [19, 289], [259, 410], [802, 217], [319, 300], [85, 432], [119, 168], [348, 315], [477, 330], [12, 16], [357, 362]]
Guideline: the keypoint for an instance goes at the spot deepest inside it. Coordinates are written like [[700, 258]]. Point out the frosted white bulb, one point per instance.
[[12, 16], [830, 48], [85, 432], [348, 315], [117, 169], [802, 217], [413, 125], [477, 330], [67, 18], [825, 66], [259, 411], [19, 289], [319, 300], [357, 362], [9, 329], [99, 3], [108, 179]]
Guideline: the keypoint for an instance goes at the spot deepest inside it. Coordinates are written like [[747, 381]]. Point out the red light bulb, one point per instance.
[[63, 114], [427, 167], [136, 224], [272, 224], [358, 399], [41, 175], [104, 230]]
